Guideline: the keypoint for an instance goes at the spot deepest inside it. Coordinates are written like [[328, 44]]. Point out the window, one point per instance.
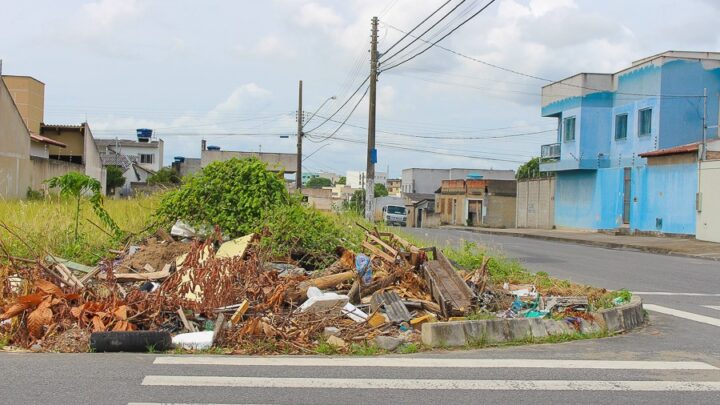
[[146, 158], [645, 122], [621, 126], [569, 129]]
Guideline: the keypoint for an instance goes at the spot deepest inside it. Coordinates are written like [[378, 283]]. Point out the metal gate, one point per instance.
[[627, 194]]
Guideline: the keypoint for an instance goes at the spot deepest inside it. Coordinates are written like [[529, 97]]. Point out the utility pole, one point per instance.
[[371, 151], [298, 169]]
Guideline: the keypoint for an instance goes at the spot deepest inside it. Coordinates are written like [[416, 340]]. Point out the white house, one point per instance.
[[138, 159]]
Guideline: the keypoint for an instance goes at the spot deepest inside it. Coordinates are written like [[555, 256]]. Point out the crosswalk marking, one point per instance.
[[422, 384], [683, 314], [416, 362], [715, 307], [675, 293]]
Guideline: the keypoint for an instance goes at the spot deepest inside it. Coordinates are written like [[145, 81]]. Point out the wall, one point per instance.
[[499, 211], [589, 199], [15, 166], [535, 203], [29, 96], [43, 169], [665, 189], [93, 164], [708, 218], [286, 162]]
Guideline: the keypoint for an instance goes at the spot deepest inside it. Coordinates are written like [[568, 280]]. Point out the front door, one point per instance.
[[627, 192]]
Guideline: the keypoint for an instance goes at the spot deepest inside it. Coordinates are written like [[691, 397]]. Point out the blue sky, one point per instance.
[[225, 69]]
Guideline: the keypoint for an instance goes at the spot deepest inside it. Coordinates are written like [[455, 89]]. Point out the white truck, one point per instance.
[[394, 215]]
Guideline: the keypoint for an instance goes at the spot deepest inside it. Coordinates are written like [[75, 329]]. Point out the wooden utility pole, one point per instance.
[[371, 151], [298, 169]]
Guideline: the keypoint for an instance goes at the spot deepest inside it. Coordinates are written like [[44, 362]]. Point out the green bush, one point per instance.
[[304, 234], [234, 194]]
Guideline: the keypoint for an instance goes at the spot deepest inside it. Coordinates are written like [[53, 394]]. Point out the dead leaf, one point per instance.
[[39, 318], [31, 299], [121, 313], [49, 288], [14, 310], [77, 311], [98, 325], [124, 326]]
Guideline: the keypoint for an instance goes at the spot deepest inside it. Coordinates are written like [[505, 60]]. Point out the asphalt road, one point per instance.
[[673, 359]]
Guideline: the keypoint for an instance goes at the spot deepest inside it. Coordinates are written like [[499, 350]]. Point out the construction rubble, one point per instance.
[[185, 292]]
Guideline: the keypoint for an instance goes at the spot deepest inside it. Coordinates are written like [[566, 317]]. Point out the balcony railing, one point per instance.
[[550, 151]]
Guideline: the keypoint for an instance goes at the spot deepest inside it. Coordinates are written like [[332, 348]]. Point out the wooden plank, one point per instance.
[[165, 272], [447, 287], [183, 319], [219, 326], [382, 243], [377, 252], [237, 316]]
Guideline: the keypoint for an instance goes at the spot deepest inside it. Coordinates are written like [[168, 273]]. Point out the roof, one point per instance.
[[689, 148], [419, 196], [45, 139], [58, 127], [114, 159], [23, 76], [101, 143]]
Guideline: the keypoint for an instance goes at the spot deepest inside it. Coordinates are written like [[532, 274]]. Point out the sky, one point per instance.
[[228, 71]]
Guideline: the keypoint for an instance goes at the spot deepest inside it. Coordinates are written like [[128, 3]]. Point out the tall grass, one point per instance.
[[47, 226]]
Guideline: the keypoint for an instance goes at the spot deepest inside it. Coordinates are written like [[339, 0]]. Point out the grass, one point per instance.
[[364, 349], [47, 225], [409, 348], [561, 338], [326, 348]]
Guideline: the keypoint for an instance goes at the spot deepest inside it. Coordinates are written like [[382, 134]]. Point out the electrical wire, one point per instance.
[[346, 118], [417, 26], [343, 105], [441, 38]]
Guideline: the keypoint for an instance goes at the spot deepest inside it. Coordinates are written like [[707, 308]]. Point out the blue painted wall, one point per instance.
[[589, 199]]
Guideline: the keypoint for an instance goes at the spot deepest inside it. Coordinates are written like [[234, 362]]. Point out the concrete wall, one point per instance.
[[427, 181], [43, 169], [286, 162], [93, 164], [29, 96], [708, 216], [664, 195], [15, 166], [535, 203], [499, 211], [589, 199]]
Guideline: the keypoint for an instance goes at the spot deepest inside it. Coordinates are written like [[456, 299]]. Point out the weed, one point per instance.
[[409, 348], [150, 349], [364, 349], [326, 348], [608, 300], [479, 315]]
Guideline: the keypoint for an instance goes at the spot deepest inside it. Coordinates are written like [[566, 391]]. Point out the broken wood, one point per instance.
[[157, 275], [237, 316], [480, 278], [299, 293], [377, 252], [162, 234], [393, 252], [187, 325], [219, 326], [447, 287]]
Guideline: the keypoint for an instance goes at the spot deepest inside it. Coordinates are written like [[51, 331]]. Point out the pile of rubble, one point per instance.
[[213, 293]]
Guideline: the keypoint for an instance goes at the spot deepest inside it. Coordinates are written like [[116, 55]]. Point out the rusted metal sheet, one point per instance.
[[447, 287], [394, 307]]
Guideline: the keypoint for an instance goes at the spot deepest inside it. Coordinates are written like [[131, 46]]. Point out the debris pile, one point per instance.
[[225, 294]]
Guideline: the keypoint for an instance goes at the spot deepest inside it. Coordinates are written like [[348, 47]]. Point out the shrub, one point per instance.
[[233, 194]]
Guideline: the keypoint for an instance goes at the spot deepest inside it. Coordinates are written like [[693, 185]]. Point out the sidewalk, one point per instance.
[[652, 244]]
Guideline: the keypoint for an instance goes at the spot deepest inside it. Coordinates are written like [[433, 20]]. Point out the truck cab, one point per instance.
[[394, 215]]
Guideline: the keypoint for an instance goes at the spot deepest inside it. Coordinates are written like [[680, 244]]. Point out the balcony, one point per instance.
[[550, 151]]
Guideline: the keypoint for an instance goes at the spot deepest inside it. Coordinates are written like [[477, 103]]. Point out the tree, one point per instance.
[[356, 203], [75, 185], [380, 190], [318, 182], [114, 179], [529, 170], [342, 181], [166, 175], [232, 194]]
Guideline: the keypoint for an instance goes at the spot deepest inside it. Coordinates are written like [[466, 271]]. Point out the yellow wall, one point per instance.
[[29, 96], [70, 137]]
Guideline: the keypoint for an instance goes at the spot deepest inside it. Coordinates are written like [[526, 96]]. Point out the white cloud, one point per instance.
[[313, 15], [249, 96], [103, 15]]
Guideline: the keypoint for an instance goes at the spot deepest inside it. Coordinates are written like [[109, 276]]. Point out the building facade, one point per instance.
[[607, 123], [486, 203], [427, 181]]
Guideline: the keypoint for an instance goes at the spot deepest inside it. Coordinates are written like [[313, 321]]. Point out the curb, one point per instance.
[[460, 333], [607, 245]]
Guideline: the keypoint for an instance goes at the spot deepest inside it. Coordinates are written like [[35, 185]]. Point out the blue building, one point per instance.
[[606, 121]]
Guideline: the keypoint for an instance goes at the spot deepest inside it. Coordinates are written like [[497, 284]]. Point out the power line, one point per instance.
[[418, 26], [342, 106], [346, 118], [441, 38], [424, 32], [435, 44]]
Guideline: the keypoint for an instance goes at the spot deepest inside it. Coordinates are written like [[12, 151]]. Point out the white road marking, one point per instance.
[[412, 384], [177, 403], [683, 314], [675, 293], [715, 307], [406, 362]]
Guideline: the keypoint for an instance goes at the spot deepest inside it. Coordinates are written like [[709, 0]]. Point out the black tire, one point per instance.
[[137, 341]]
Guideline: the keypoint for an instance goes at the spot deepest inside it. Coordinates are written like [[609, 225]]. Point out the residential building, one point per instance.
[[138, 159], [708, 198], [356, 179], [185, 166], [608, 125], [32, 152], [426, 181], [487, 203], [307, 176], [394, 186], [277, 162], [421, 210]]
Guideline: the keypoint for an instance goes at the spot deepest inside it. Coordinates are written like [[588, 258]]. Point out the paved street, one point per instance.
[[675, 358]]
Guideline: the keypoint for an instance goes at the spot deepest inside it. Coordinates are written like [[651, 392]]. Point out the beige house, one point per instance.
[[32, 152], [487, 203]]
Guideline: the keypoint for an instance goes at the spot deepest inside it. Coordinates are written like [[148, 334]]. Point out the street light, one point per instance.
[[319, 108]]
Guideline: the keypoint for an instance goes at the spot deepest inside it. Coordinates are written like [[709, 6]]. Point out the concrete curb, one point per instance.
[[460, 333], [585, 242]]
